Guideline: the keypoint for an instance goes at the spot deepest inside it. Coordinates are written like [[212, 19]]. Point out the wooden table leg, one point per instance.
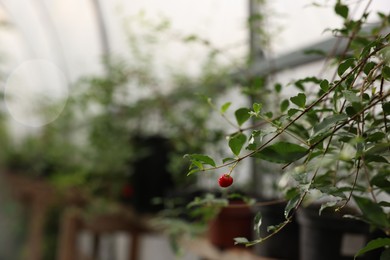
[[134, 247], [70, 227], [95, 246], [36, 229]]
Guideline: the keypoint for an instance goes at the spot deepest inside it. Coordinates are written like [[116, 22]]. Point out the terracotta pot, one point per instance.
[[235, 220]]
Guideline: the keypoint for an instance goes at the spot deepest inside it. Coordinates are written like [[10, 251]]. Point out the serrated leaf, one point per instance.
[[282, 152], [374, 244], [225, 107], [299, 100], [236, 142], [242, 115], [346, 64], [341, 10]]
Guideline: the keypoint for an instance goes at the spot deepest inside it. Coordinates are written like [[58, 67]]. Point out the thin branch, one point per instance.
[[353, 187]]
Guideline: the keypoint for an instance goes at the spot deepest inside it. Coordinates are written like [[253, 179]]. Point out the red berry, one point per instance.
[[225, 180], [127, 191]]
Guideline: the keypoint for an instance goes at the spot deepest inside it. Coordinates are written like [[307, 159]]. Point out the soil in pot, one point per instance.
[[284, 244], [329, 235], [235, 220]]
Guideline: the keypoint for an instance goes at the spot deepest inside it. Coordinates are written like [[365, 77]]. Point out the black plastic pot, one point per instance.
[[150, 176], [330, 236], [283, 245]]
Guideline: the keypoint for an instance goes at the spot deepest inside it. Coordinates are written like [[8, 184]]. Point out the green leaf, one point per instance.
[[236, 142], [292, 203], [378, 149], [255, 138], [284, 105], [366, 50], [368, 67], [282, 152], [242, 115], [257, 107], [225, 107], [386, 108], [268, 114], [374, 244], [278, 87], [341, 10], [375, 158], [351, 111], [328, 204], [274, 228], [328, 123], [351, 96], [375, 137], [257, 223], [346, 64], [300, 83], [384, 204], [386, 73], [204, 159], [324, 85], [299, 100], [240, 240], [195, 170], [292, 111], [372, 212], [381, 181]]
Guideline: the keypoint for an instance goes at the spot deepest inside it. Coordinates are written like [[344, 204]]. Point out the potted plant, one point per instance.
[[330, 135], [225, 217], [119, 130]]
